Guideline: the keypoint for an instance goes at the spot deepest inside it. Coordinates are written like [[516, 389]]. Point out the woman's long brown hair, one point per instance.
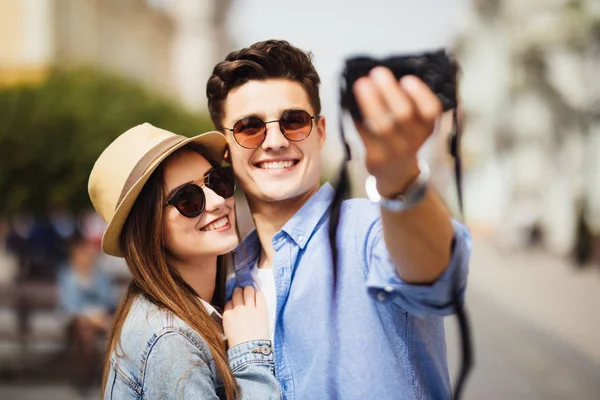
[[152, 277]]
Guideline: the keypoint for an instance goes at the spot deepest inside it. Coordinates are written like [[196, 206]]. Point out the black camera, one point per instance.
[[436, 69]]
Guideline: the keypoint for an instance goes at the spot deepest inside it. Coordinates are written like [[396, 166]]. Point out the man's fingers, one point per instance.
[[396, 99], [427, 105], [228, 306], [372, 106]]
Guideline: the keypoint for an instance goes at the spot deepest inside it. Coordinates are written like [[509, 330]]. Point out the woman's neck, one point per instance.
[[201, 275]]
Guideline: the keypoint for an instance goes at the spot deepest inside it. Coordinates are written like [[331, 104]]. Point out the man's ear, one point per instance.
[[322, 130]]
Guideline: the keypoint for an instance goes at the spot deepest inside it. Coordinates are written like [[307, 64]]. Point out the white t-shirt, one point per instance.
[[209, 308], [265, 282]]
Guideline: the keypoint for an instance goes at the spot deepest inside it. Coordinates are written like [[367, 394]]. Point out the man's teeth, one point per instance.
[[221, 222], [276, 164]]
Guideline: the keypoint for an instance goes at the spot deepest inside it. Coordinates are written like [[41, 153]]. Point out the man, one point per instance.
[[395, 267]]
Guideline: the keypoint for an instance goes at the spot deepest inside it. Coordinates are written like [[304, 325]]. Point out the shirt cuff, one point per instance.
[[254, 351], [384, 284]]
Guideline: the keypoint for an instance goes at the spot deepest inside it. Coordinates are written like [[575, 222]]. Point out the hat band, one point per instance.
[[142, 165]]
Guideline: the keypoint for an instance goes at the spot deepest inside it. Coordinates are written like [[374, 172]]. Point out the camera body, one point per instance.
[[435, 68]]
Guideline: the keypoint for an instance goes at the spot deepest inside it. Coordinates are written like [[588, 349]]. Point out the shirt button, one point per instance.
[[265, 349], [300, 238], [388, 289], [381, 296]]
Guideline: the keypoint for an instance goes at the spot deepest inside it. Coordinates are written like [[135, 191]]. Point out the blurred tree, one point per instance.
[[51, 135]]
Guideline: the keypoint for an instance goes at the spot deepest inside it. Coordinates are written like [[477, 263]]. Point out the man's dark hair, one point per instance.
[[271, 59]]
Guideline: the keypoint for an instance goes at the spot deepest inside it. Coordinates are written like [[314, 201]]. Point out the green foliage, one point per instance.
[[51, 135]]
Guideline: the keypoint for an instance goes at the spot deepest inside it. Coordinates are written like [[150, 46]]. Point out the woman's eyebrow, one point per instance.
[[175, 189]]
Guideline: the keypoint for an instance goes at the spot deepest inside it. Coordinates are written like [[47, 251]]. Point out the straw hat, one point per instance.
[[125, 165]]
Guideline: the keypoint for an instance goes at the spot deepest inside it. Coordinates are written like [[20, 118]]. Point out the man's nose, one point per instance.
[[274, 138]]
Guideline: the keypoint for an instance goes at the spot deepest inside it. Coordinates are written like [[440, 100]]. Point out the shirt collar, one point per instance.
[[299, 228], [247, 252], [302, 224]]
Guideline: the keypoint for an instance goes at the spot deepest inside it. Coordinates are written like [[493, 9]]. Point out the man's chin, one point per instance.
[[275, 194], [274, 198]]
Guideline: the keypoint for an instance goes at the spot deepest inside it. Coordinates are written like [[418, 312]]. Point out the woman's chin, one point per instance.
[[221, 243], [208, 247]]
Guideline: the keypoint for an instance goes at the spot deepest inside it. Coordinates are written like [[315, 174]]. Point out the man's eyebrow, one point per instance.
[[294, 108], [263, 117], [176, 188], [254, 114]]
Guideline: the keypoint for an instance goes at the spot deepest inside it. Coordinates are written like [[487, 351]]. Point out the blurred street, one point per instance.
[[534, 323]]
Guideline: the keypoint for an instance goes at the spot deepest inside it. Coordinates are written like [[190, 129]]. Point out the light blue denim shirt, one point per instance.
[[160, 357], [389, 336]]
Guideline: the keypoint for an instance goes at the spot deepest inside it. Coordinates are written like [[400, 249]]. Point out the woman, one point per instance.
[[170, 212]]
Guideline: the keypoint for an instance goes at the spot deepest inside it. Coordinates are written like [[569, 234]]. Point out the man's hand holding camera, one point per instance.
[[398, 117]]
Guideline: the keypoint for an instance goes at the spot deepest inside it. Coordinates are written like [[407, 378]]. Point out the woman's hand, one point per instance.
[[245, 317]]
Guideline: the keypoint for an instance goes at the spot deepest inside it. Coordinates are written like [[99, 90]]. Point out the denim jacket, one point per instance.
[[160, 357]]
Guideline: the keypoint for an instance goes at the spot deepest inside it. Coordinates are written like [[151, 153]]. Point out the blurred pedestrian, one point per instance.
[[86, 295]]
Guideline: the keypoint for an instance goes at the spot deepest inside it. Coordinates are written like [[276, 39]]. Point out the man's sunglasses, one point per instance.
[[250, 132], [190, 200]]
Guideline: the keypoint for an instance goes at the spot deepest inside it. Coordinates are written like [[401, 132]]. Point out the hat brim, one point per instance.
[[214, 142]]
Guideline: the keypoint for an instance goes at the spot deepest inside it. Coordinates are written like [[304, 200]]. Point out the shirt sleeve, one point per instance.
[[385, 285]]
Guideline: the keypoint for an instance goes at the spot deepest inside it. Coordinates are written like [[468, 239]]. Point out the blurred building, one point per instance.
[[170, 46], [167, 46], [533, 134]]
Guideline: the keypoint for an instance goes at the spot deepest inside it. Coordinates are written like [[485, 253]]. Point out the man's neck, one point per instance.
[[269, 218]]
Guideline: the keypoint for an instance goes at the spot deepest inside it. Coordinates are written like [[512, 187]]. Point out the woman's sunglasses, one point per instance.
[[250, 132], [190, 200]]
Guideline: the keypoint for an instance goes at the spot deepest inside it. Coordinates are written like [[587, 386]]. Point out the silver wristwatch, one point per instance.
[[410, 198]]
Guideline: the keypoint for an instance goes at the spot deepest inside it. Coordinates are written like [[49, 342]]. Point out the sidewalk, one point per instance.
[[44, 392], [549, 292]]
